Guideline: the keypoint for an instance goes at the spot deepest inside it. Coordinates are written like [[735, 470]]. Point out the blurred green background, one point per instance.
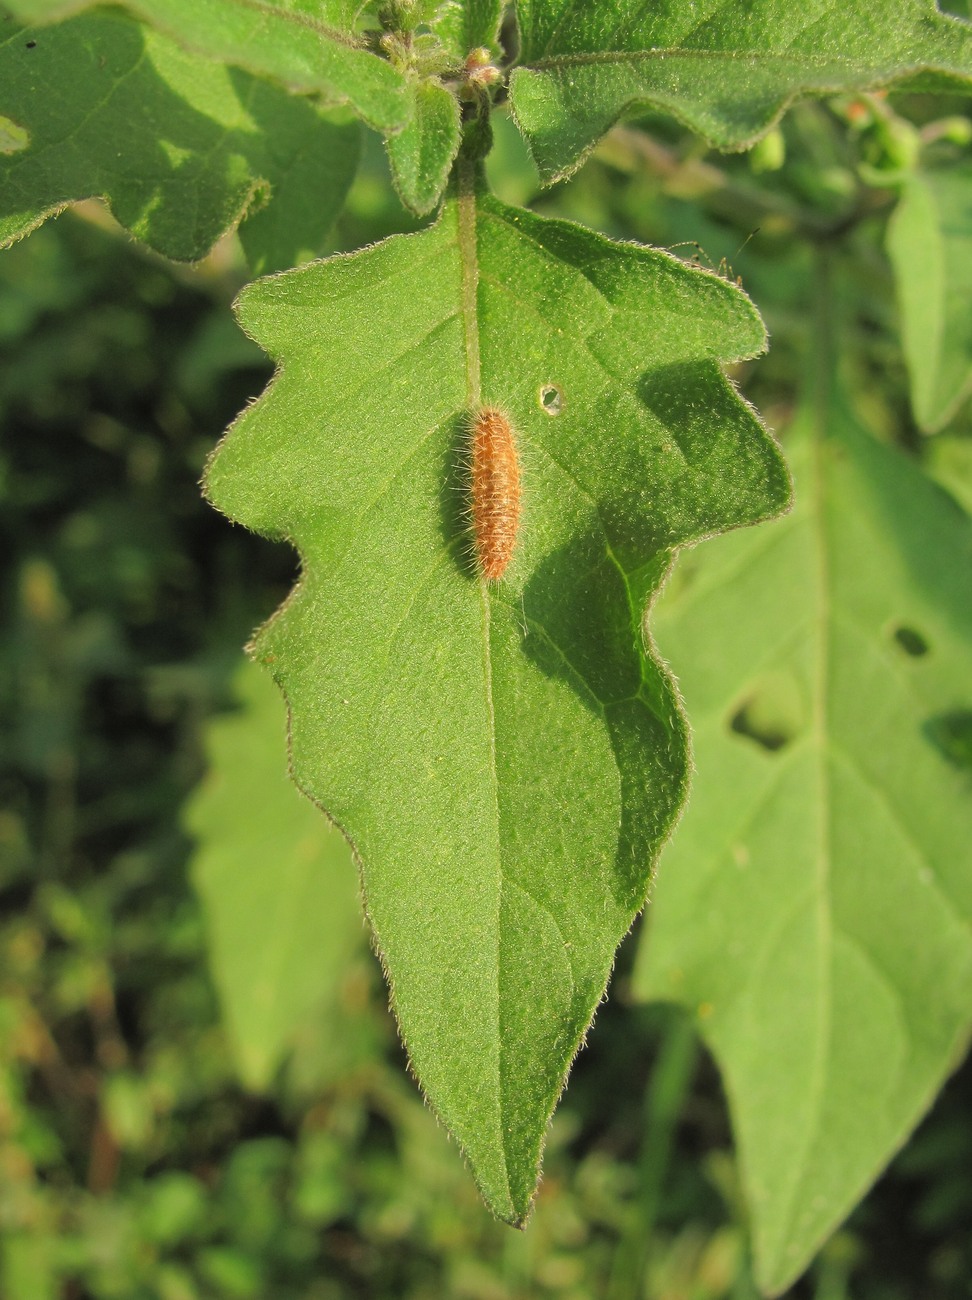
[[150, 1150]]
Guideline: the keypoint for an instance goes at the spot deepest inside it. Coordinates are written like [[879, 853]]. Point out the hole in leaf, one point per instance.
[[773, 714], [551, 399], [951, 734], [746, 722], [911, 642]]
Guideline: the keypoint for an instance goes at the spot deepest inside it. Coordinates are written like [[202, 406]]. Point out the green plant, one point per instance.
[[508, 760]]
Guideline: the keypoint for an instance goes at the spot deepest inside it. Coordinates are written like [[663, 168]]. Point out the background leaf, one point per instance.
[[948, 458], [507, 760], [230, 144], [728, 73], [814, 908], [930, 245], [288, 43], [278, 885]]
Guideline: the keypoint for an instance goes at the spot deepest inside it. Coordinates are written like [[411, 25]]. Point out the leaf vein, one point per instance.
[[842, 754]]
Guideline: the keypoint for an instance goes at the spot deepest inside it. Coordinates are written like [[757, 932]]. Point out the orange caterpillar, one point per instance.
[[495, 482]]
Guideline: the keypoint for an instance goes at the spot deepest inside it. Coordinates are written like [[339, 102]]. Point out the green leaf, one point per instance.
[[312, 156], [179, 147], [422, 155], [948, 458], [467, 26], [27, 1264], [506, 758], [282, 41], [930, 245], [277, 884], [728, 72], [814, 908], [340, 15]]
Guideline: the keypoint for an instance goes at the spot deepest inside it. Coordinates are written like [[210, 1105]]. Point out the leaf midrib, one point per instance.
[[555, 62], [469, 215], [467, 234]]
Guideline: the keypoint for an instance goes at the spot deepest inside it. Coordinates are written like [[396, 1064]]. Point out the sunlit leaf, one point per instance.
[[179, 147], [506, 758], [294, 44], [726, 71]]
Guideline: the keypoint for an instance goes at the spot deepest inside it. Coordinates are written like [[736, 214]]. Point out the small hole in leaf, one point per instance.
[[757, 723], [550, 399], [911, 642]]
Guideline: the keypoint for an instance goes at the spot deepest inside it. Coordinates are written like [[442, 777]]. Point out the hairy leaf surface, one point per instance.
[[727, 71], [278, 886], [507, 759], [180, 148], [814, 908], [930, 244], [422, 155], [434, 64], [296, 44], [465, 25]]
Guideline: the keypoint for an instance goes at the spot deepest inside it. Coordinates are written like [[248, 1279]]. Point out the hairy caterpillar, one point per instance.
[[495, 491]]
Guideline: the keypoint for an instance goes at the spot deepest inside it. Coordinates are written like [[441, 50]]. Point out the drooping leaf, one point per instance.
[[278, 885], [506, 758], [727, 71], [930, 245], [271, 38], [422, 154], [814, 907], [179, 147]]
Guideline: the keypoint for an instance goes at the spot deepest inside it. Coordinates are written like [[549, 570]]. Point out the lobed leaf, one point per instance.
[[506, 758], [180, 148], [277, 885], [727, 71], [814, 908], [929, 243], [304, 47]]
